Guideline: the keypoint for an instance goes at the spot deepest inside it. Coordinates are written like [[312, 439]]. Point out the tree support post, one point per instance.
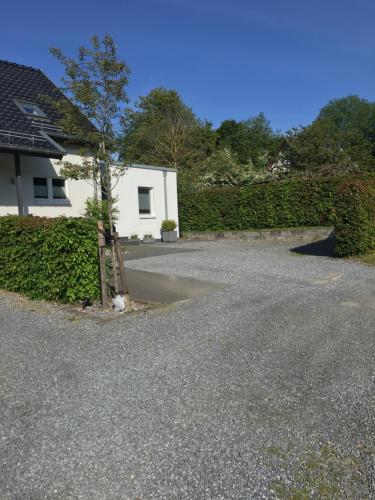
[[101, 248], [120, 262]]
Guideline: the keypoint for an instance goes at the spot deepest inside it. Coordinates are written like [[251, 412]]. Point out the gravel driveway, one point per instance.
[[264, 387]]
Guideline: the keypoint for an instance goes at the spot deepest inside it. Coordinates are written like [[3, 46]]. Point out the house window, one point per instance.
[[30, 108], [144, 200], [50, 189], [58, 189], [40, 187]]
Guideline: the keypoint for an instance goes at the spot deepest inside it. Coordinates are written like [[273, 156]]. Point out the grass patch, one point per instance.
[[368, 258], [325, 473]]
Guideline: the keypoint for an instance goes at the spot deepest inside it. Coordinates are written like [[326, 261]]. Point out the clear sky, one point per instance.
[[227, 58]]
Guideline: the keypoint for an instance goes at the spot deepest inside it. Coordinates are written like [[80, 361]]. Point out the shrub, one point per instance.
[[346, 202], [355, 217], [51, 259], [98, 210], [168, 225], [292, 202]]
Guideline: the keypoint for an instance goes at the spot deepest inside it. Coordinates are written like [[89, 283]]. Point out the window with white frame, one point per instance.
[[49, 189], [144, 200]]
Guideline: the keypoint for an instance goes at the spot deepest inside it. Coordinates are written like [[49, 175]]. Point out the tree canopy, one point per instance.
[[163, 130], [342, 137]]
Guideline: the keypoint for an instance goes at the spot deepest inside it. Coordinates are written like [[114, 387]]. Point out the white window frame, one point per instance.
[[51, 200], [151, 215]]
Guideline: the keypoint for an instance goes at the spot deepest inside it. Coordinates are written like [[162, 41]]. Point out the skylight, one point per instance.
[[30, 108]]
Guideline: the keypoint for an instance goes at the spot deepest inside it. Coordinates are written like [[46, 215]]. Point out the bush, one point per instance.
[[287, 203], [168, 225], [98, 210], [344, 201], [355, 218], [51, 259]]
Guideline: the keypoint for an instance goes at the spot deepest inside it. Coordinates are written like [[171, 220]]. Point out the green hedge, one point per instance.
[[289, 203], [355, 217], [51, 259], [322, 201]]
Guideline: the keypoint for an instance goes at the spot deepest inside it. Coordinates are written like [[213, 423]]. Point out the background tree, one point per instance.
[[315, 150], [351, 121], [340, 139], [162, 130], [252, 140]]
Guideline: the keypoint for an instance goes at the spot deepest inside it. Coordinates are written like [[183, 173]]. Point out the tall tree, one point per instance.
[[314, 149], [252, 140], [351, 121], [162, 130], [341, 138]]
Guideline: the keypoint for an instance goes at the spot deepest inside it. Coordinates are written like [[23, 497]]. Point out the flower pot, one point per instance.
[[132, 242], [147, 241], [169, 236]]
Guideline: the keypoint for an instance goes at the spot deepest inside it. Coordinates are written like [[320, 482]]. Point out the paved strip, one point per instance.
[[154, 250], [161, 289]]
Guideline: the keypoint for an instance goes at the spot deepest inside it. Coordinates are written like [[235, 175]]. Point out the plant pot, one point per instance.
[[147, 241], [169, 236], [132, 242]]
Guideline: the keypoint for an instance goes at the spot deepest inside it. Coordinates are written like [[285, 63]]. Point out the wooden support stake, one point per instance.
[[101, 248], [121, 266]]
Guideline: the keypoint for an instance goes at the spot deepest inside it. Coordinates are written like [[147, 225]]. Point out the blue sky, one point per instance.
[[227, 58]]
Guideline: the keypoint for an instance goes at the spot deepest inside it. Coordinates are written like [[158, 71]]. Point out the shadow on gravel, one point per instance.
[[322, 248]]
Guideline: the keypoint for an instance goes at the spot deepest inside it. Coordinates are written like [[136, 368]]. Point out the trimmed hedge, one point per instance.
[[289, 203], [355, 217], [51, 259], [321, 201]]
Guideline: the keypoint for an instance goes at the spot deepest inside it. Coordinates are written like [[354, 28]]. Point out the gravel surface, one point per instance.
[[264, 387]]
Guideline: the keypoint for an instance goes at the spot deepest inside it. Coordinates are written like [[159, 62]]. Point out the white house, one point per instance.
[[32, 146], [146, 196]]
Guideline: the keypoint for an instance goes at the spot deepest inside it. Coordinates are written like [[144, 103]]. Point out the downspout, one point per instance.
[[165, 194], [17, 165]]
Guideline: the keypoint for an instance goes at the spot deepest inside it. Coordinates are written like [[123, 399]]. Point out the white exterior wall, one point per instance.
[[33, 166], [130, 220]]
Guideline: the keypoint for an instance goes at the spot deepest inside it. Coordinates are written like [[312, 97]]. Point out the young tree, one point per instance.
[[162, 130], [95, 84]]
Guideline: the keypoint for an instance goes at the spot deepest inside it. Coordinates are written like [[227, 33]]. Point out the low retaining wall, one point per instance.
[[290, 234]]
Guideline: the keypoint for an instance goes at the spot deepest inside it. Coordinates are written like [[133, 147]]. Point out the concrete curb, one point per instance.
[[294, 233]]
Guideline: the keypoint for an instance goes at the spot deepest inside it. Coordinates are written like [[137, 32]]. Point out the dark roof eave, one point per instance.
[[72, 139], [27, 151]]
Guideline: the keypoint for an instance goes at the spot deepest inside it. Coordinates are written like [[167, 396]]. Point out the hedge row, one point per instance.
[[51, 259], [287, 203], [355, 217]]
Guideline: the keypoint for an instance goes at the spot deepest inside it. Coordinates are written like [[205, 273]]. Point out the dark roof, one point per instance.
[[22, 132]]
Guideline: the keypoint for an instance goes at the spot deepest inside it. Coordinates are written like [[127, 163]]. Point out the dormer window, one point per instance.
[[31, 109]]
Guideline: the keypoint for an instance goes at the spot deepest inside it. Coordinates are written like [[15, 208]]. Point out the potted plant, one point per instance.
[[148, 238], [168, 232], [134, 240]]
